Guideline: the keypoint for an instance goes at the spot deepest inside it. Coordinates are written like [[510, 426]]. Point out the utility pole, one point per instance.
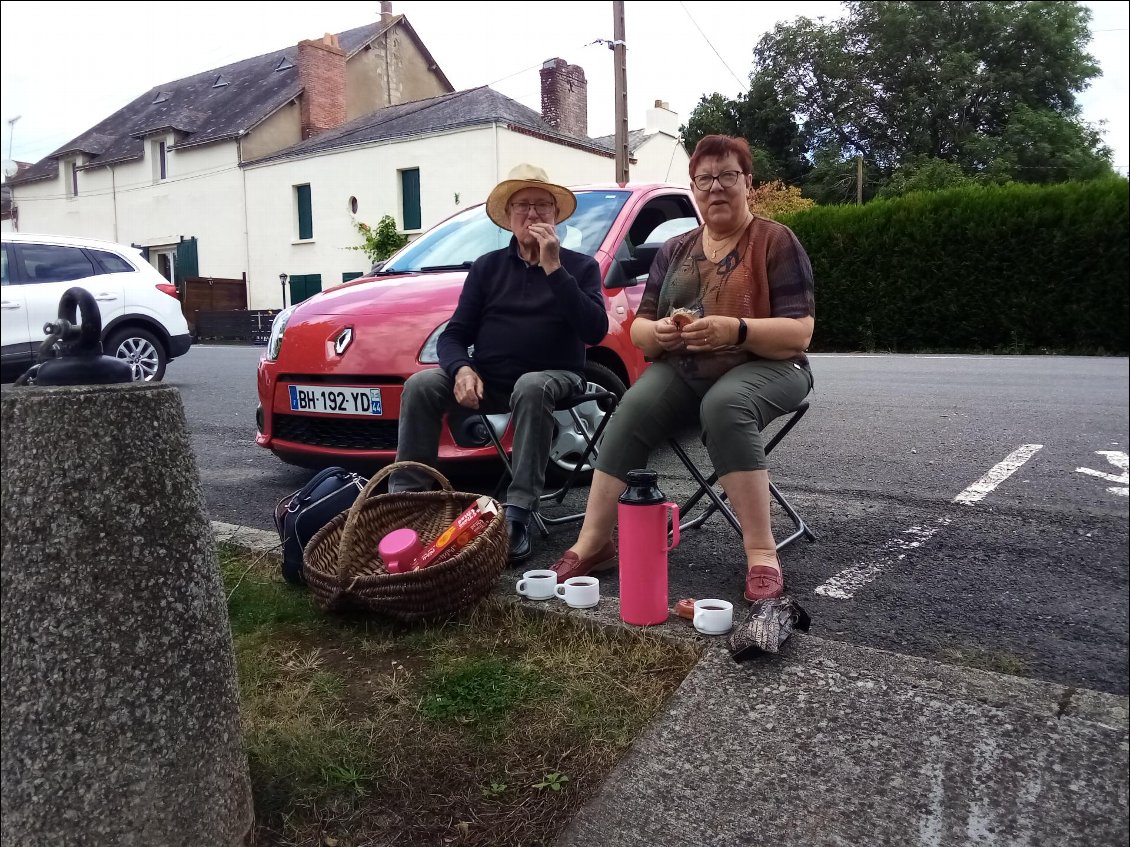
[[11, 131], [620, 71], [859, 179]]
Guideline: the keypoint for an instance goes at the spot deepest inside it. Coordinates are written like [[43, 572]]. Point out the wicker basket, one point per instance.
[[344, 570]]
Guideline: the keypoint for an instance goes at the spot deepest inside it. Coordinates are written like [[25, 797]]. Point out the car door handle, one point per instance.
[[8, 304], [105, 297]]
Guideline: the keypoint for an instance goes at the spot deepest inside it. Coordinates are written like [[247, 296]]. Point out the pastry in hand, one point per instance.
[[681, 317]]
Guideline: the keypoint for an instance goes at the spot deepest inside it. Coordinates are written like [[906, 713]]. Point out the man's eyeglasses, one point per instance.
[[544, 208], [727, 179]]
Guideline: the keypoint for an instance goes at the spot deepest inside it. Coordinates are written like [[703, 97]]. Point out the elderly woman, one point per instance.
[[738, 363]]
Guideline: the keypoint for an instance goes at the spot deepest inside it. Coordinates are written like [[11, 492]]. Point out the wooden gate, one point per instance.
[[211, 294]]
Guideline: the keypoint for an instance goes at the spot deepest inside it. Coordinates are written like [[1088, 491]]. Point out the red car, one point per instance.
[[335, 365]]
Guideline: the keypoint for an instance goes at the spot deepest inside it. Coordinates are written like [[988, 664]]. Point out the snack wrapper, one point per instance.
[[463, 530]]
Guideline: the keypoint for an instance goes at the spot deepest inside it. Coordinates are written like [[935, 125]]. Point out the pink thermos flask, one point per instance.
[[642, 515]]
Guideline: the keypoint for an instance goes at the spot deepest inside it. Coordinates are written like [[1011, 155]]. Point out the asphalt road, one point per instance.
[[1025, 573]]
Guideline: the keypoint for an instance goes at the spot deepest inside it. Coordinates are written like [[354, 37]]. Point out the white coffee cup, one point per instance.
[[713, 617], [537, 585], [580, 592]]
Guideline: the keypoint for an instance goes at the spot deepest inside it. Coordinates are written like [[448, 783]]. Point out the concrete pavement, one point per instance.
[[833, 744]]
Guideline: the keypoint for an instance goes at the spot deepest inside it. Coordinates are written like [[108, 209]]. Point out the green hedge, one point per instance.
[[1008, 269]]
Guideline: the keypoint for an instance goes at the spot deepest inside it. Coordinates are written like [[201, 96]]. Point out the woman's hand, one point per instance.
[[710, 333], [667, 335]]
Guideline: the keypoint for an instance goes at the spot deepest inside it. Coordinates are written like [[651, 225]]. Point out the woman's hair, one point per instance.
[[721, 146]]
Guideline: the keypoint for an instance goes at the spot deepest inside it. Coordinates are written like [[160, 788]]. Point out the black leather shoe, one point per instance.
[[520, 546]]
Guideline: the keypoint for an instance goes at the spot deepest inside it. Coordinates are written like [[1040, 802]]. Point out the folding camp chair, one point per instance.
[[496, 426], [718, 498]]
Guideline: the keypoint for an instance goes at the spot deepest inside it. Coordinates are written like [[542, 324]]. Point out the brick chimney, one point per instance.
[[386, 13], [565, 97], [321, 72]]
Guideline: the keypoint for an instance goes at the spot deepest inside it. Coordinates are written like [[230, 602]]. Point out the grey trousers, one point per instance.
[[428, 395], [731, 410]]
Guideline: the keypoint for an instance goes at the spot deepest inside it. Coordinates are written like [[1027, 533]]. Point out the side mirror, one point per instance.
[[623, 273]]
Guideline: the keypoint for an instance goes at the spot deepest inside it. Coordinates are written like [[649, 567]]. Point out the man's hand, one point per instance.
[[710, 333], [549, 248], [468, 388], [667, 335]]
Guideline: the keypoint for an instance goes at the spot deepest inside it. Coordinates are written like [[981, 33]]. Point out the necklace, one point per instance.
[[718, 245]]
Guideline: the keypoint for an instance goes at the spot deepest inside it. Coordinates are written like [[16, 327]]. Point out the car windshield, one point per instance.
[[457, 242]]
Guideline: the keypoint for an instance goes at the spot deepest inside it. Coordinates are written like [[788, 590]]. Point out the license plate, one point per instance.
[[335, 400]]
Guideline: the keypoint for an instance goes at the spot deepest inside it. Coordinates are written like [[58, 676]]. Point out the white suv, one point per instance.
[[142, 321]]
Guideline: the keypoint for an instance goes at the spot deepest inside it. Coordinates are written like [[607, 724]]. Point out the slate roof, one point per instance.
[[217, 104], [636, 137], [475, 106]]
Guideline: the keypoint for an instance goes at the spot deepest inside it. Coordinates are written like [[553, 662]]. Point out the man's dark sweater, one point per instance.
[[521, 320]]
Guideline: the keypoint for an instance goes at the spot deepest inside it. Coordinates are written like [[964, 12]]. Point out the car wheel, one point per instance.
[[568, 443], [141, 350]]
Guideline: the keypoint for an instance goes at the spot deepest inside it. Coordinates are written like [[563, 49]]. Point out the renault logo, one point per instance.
[[343, 340]]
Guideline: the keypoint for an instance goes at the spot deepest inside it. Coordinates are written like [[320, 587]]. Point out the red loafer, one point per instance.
[[763, 583], [570, 564]]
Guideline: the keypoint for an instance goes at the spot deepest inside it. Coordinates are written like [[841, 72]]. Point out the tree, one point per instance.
[[959, 82], [1041, 146], [760, 118], [714, 115], [925, 174]]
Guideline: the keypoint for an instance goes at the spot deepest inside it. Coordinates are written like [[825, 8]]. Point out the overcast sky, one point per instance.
[[65, 66]]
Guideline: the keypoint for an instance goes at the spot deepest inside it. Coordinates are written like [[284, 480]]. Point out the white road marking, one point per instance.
[[1121, 461], [846, 583], [1000, 472]]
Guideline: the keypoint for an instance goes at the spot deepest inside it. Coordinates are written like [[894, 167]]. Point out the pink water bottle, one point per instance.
[[642, 514]]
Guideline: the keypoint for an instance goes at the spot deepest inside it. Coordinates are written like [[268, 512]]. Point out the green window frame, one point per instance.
[[410, 197], [305, 212]]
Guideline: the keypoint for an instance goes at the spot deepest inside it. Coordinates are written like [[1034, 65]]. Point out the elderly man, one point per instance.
[[528, 310]]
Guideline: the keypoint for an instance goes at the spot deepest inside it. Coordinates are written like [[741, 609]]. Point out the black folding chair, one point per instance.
[[496, 426], [718, 498]]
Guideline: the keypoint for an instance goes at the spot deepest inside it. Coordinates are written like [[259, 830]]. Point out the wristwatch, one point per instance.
[[743, 329]]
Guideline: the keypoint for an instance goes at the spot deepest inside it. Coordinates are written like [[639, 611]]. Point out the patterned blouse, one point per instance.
[[766, 275]]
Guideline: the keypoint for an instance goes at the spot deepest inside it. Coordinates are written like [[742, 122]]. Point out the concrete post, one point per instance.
[[120, 705]]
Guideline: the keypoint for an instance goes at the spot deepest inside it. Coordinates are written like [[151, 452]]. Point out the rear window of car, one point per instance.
[[55, 263], [112, 263]]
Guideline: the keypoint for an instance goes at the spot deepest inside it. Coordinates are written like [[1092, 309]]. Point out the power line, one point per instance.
[[742, 83]]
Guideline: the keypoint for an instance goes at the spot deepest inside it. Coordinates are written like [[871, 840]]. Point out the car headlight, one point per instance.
[[429, 354], [278, 327]]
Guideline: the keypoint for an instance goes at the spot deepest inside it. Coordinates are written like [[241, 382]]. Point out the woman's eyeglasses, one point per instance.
[[727, 179], [543, 208]]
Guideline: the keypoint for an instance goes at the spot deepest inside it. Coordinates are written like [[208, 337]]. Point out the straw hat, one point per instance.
[[528, 176]]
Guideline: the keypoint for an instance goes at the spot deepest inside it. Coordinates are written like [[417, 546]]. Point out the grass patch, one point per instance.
[[489, 729], [481, 690]]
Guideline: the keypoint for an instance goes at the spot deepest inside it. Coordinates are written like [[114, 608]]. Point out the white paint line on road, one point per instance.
[[1121, 461], [846, 583], [1000, 472]]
